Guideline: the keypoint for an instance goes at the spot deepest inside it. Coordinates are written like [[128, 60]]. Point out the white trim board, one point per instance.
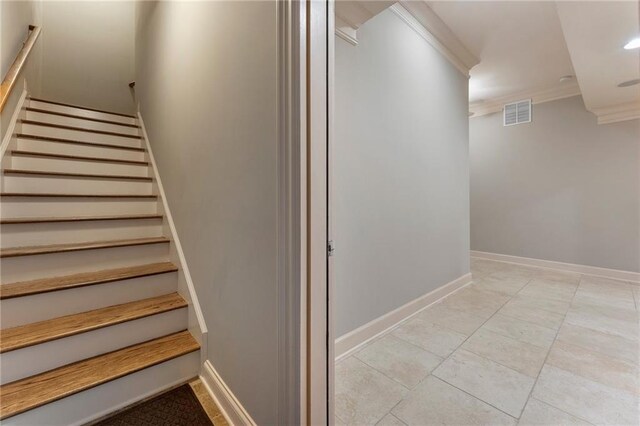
[[351, 15], [617, 113], [633, 277], [351, 342], [197, 325], [537, 96], [424, 21], [345, 32], [229, 405]]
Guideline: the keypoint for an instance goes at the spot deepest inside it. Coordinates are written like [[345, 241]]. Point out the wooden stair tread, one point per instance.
[[81, 107], [80, 129], [25, 394], [21, 153], [75, 142], [70, 195], [24, 220], [86, 175], [69, 325], [45, 285], [79, 117], [62, 248]]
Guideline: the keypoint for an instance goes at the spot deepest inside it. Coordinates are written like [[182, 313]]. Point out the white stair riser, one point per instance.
[[68, 206], [76, 166], [23, 268], [81, 112], [79, 135], [74, 185], [97, 402], [79, 122], [39, 307], [37, 234], [37, 359], [74, 149]]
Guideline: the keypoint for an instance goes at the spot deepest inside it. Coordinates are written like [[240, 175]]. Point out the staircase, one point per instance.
[[90, 311]]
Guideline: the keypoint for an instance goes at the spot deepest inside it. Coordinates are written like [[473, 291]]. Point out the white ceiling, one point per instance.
[[596, 33], [522, 49], [520, 44]]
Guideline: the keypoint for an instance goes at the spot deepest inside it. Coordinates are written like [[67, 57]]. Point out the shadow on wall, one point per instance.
[[561, 188], [86, 51]]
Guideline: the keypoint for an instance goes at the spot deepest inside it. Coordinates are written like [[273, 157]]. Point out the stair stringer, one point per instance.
[[9, 140], [103, 399], [197, 325]]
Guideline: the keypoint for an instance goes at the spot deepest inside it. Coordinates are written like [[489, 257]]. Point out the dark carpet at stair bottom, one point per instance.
[[178, 407]]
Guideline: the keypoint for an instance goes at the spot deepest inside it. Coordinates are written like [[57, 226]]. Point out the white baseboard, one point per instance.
[[349, 343], [229, 405], [615, 274]]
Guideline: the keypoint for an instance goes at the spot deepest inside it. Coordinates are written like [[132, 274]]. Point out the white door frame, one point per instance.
[[305, 46], [331, 39], [291, 95], [319, 334]]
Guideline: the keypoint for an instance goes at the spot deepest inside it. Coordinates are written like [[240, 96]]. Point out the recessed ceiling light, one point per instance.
[[633, 44], [566, 78], [630, 83]]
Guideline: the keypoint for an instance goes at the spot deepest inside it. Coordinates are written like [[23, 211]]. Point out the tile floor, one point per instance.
[[520, 345]]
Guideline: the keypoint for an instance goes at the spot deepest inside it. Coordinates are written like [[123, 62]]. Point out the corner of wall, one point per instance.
[[349, 343]]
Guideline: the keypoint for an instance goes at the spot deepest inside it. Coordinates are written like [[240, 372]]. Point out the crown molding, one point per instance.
[[424, 21], [350, 15], [617, 113], [537, 96], [346, 32]]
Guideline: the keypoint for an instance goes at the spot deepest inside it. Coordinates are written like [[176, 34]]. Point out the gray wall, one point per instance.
[[562, 188], [84, 55], [401, 175], [88, 53], [15, 18], [206, 81]]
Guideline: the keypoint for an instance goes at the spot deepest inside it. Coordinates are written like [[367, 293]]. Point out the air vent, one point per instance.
[[517, 113]]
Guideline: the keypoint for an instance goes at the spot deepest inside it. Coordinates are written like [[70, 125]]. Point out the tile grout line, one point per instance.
[[398, 403], [427, 350], [387, 376], [559, 409], [520, 319], [459, 346], [636, 295], [396, 417], [389, 333], [578, 375], [535, 383], [510, 297], [391, 378], [474, 397], [452, 352], [528, 322], [542, 299], [501, 364], [535, 271], [414, 316], [405, 321]]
